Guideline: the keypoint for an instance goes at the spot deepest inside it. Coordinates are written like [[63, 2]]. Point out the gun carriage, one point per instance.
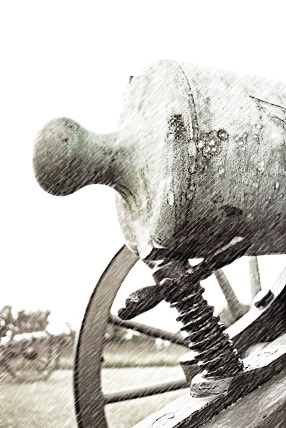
[[28, 351], [198, 164]]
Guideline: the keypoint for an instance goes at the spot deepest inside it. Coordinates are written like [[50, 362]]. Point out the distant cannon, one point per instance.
[[27, 350]]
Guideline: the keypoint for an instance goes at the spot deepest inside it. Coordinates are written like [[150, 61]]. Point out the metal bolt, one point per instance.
[[262, 300]]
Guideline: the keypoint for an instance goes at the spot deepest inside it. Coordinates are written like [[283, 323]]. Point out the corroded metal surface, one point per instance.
[[199, 158], [226, 172], [179, 284], [264, 322], [146, 298]]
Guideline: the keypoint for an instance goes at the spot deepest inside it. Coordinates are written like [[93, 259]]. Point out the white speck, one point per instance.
[[207, 149], [261, 166], [255, 136], [201, 144], [221, 170], [259, 126], [214, 149], [276, 185], [236, 139], [171, 198], [212, 143], [241, 142], [282, 195], [245, 135], [171, 136], [255, 185], [243, 148], [192, 149]]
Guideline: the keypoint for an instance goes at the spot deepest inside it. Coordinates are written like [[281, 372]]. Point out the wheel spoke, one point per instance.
[[255, 283], [145, 392], [236, 309], [149, 331]]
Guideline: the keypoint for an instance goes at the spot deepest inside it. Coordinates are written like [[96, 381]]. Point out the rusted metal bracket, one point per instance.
[[146, 298], [265, 321], [225, 377]]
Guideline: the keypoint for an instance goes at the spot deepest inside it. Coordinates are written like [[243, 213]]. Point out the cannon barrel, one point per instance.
[[198, 159]]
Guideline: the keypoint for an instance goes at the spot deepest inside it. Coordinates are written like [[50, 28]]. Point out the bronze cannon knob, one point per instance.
[[199, 158]]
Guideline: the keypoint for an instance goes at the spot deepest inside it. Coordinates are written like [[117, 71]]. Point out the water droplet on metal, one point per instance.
[[261, 166], [192, 163], [192, 149], [171, 198], [222, 135], [221, 170]]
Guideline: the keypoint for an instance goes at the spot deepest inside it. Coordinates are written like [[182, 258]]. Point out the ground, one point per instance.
[[49, 404]]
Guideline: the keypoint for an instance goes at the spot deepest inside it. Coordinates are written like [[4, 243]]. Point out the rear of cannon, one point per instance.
[[199, 166], [199, 158]]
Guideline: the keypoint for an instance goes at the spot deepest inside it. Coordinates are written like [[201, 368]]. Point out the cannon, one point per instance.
[[198, 164], [27, 351]]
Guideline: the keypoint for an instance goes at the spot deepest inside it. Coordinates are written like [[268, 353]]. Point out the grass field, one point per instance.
[[126, 355], [141, 355], [49, 404]]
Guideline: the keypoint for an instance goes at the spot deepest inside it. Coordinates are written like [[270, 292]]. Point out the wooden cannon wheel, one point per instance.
[[90, 400]]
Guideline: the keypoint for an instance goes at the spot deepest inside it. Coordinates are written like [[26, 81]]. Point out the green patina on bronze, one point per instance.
[[198, 159]]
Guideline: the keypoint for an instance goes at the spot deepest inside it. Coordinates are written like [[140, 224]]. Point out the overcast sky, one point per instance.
[[74, 59]]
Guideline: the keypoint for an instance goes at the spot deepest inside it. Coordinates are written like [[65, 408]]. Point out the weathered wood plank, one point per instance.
[[192, 411], [264, 407]]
